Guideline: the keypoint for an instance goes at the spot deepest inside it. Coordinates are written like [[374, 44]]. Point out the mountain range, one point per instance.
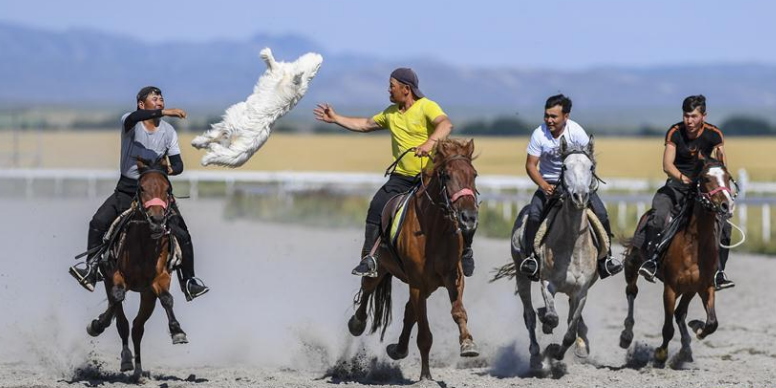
[[87, 68]]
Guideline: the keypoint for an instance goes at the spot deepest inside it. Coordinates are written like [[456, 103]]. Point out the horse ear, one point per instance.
[[591, 145], [470, 148], [563, 145]]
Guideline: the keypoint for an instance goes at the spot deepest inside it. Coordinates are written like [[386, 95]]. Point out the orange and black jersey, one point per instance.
[[687, 149]]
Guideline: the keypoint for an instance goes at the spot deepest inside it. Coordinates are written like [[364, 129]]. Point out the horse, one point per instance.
[[690, 262], [141, 265], [427, 255], [567, 254]]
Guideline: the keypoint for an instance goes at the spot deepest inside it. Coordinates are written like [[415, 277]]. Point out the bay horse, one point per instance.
[[690, 262], [140, 264], [567, 253], [429, 251]]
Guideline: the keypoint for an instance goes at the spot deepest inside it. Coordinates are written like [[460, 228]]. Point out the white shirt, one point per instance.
[[547, 148]]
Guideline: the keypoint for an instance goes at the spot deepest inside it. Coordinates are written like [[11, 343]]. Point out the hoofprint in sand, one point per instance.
[[246, 126], [281, 296]]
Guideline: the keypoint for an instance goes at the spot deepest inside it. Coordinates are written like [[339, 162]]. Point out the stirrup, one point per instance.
[[525, 268], [86, 277], [365, 269], [648, 273], [197, 282], [606, 263]]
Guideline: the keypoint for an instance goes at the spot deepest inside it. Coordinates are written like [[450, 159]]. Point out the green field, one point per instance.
[[620, 158]]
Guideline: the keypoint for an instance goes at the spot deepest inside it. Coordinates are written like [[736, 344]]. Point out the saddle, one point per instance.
[[675, 223], [596, 227], [114, 239]]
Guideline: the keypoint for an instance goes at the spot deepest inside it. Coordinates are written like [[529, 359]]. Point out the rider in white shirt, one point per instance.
[[543, 165]]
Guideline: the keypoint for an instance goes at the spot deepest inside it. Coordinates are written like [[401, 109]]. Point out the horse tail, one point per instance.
[[380, 306]]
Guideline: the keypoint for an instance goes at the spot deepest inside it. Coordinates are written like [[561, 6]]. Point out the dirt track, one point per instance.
[[281, 299]]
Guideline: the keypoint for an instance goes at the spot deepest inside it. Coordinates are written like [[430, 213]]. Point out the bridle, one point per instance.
[[447, 206], [166, 203], [594, 184], [704, 198]]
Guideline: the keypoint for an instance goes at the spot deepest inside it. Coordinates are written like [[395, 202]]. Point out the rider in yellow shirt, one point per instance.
[[414, 122]]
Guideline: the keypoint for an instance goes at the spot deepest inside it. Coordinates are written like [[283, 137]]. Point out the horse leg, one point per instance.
[[147, 305], [631, 291], [115, 297], [400, 350], [529, 317], [161, 289], [425, 338], [547, 314], [685, 354], [576, 304], [583, 343], [704, 329], [122, 324], [357, 322], [669, 303], [455, 285]]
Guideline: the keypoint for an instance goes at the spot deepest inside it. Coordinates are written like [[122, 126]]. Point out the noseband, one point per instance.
[[156, 201], [705, 197]]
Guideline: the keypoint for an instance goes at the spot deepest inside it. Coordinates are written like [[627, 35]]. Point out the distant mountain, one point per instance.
[[84, 68]]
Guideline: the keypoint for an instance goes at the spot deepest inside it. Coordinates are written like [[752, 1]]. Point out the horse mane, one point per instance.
[[447, 148]]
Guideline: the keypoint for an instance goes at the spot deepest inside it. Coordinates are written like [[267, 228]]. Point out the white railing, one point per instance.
[[507, 192]]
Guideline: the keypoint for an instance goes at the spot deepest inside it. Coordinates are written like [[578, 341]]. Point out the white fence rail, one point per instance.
[[508, 193]]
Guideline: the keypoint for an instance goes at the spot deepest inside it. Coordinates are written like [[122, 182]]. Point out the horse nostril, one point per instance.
[[724, 207]]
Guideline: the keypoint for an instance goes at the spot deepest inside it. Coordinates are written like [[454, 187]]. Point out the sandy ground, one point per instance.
[[281, 296]]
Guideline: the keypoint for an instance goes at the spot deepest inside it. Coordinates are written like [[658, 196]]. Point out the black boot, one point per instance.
[[649, 268], [88, 275], [191, 285], [721, 280], [368, 265], [608, 265], [530, 264]]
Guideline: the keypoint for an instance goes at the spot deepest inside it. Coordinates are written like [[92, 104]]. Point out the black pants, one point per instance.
[[666, 202], [119, 202], [536, 210], [396, 184]]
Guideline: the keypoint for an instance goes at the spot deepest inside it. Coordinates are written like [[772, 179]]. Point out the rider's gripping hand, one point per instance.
[[425, 148]]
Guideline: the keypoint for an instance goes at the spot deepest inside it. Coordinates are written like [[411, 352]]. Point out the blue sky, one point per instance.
[[526, 34]]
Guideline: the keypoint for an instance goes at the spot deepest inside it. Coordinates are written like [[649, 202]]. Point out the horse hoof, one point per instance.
[[126, 360], [179, 338], [661, 355], [356, 326], [581, 349], [547, 329], [92, 330], [469, 349], [553, 351], [394, 354], [697, 327], [626, 338]]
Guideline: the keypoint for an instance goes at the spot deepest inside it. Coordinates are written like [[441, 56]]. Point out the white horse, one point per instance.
[[246, 126], [567, 254]]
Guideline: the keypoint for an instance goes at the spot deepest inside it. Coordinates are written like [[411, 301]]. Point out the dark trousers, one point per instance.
[[396, 184], [536, 211], [667, 202]]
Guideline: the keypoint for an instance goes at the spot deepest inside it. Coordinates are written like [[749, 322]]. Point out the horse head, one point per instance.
[[578, 172], [153, 193], [455, 173], [713, 186]]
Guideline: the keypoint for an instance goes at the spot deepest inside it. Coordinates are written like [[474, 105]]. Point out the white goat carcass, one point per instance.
[[246, 126]]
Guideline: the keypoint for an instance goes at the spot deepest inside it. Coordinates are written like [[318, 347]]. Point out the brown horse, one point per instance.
[[140, 265], [690, 262], [429, 254]]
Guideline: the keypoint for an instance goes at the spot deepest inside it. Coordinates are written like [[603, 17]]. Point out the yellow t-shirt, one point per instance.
[[409, 129]]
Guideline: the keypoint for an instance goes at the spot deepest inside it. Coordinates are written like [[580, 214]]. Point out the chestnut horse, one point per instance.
[[429, 254], [690, 262], [140, 265]]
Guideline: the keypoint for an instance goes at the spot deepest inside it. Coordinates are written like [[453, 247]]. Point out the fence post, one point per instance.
[[766, 223], [621, 210]]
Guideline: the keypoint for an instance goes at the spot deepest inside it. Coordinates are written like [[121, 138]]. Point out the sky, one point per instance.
[[561, 34]]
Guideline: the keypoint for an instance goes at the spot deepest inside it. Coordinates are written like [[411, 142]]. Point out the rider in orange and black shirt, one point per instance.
[[684, 142]]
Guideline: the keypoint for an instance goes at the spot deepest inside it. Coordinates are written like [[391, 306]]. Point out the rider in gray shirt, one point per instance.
[[146, 135]]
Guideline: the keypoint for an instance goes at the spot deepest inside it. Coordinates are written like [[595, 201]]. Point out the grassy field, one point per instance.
[[622, 158]]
